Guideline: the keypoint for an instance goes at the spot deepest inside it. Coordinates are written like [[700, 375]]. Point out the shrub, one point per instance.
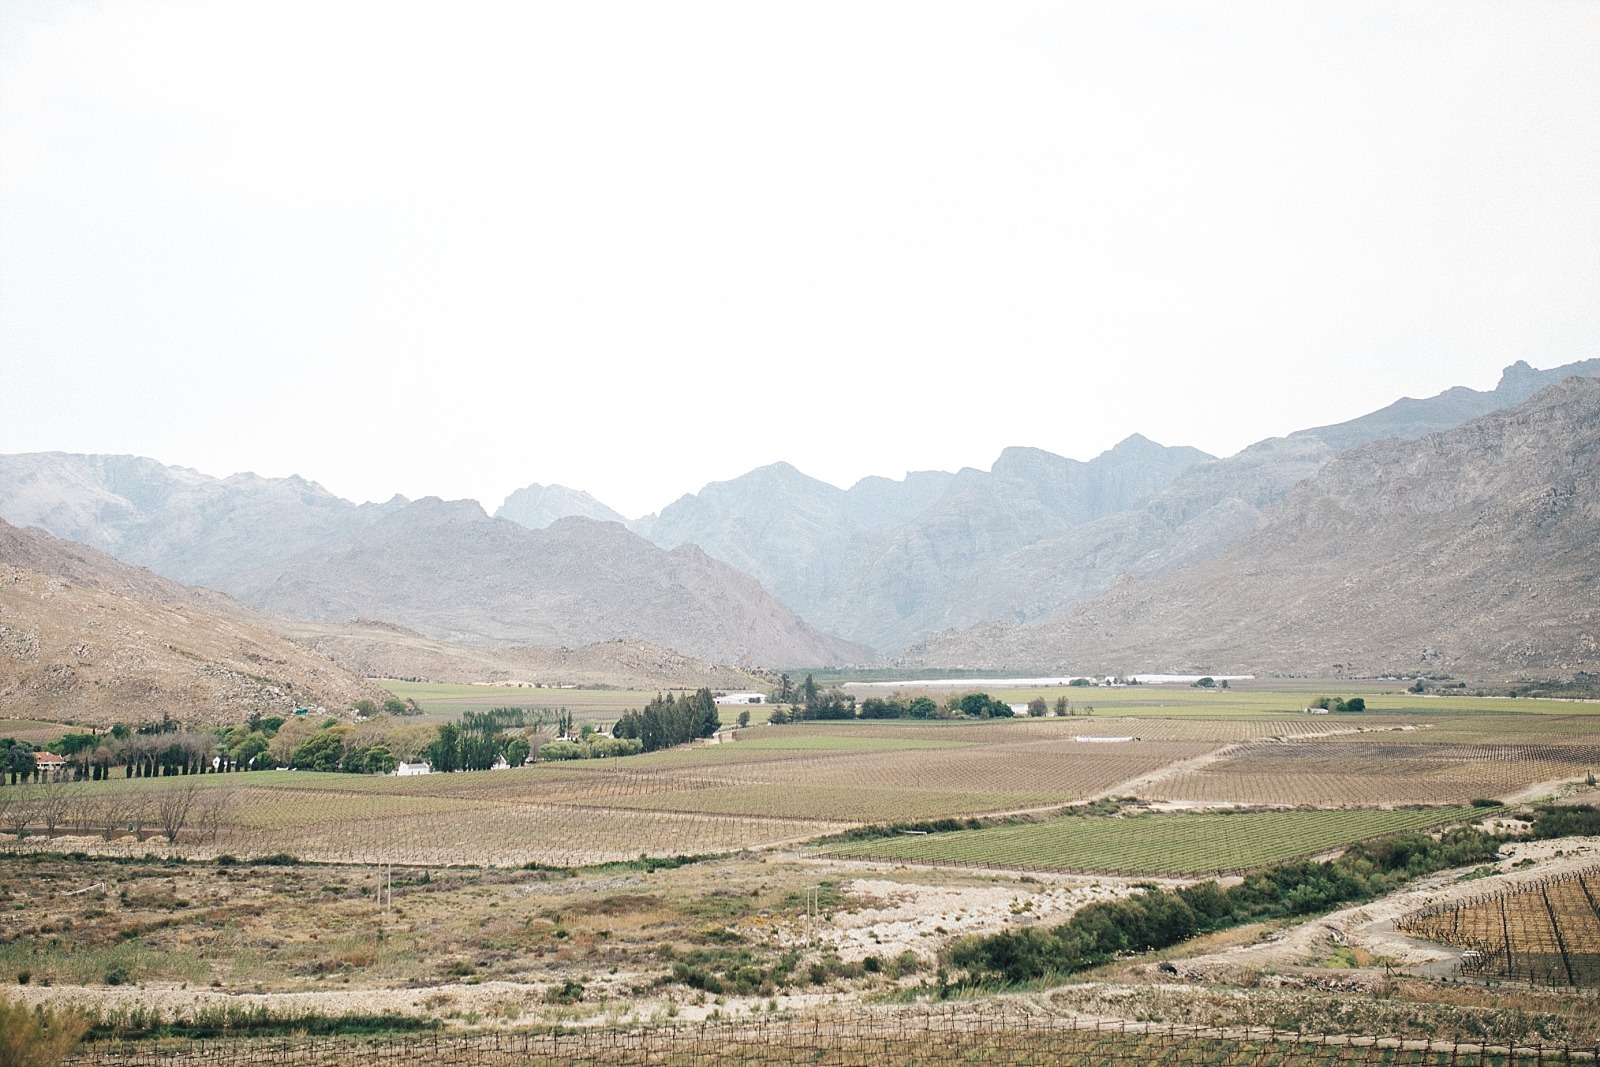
[[37, 1038]]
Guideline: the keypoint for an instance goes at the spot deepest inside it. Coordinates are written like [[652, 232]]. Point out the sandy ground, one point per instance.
[[1371, 926], [908, 915]]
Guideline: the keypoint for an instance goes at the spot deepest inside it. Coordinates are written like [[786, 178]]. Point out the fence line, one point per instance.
[[958, 1035]]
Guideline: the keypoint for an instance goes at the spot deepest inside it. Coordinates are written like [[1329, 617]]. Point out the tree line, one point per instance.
[[812, 704], [670, 720], [1158, 918]]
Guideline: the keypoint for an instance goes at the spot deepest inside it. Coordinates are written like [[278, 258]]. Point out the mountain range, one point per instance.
[[1036, 534], [447, 569], [1474, 547], [771, 568]]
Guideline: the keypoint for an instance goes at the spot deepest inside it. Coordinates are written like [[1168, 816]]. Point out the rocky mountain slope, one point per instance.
[[384, 650], [889, 562], [448, 570], [1474, 548], [877, 562], [87, 639], [182, 524], [537, 506]]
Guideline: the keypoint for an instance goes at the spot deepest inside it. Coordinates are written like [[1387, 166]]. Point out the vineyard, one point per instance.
[[1546, 932], [925, 1038], [768, 785], [1151, 844], [773, 788], [1342, 772]]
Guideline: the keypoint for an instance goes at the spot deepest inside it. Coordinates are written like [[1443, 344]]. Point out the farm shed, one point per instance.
[[406, 770], [741, 698]]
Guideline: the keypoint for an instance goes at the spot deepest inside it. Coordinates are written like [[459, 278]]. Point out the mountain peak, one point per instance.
[[537, 506]]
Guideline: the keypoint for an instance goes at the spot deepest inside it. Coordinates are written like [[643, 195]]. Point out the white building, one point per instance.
[[742, 698], [406, 770]]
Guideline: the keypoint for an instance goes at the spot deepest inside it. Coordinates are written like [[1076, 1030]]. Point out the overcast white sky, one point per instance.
[[455, 248]]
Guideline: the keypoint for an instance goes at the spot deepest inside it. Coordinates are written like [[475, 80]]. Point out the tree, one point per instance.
[[213, 811], [442, 754], [1037, 708], [21, 762], [56, 800], [396, 706], [982, 706], [879, 708], [1207, 682], [248, 751], [1063, 706], [322, 751], [809, 691], [173, 807], [366, 708], [744, 718], [517, 749]]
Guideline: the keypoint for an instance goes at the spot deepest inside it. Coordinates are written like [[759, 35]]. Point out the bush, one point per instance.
[[39, 1037], [277, 859], [568, 992]]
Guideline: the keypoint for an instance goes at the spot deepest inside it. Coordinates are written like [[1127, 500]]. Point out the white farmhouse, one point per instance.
[[406, 770]]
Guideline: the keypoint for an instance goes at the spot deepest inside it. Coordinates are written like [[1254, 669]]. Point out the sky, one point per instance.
[[457, 248]]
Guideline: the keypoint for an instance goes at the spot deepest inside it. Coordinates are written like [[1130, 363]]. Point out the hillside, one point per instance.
[[449, 571], [113, 643], [1474, 548], [383, 650]]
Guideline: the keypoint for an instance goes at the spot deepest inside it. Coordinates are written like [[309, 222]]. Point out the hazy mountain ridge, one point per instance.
[[1476, 547], [447, 569], [886, 562], [182, 524], [86, 638], [1208, 507], [883, 584]]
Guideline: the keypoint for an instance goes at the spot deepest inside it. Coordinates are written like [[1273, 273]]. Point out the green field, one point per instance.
[[1152, 844]]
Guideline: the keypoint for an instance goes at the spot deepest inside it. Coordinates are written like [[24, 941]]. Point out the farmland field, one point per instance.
[[1547, 932], [522, 918], [1355, 771], [769, 784], [1185, 844]]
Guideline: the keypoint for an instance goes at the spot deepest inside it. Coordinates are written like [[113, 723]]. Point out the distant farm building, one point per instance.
[[406, 770], [742, 698], [48, 763]]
